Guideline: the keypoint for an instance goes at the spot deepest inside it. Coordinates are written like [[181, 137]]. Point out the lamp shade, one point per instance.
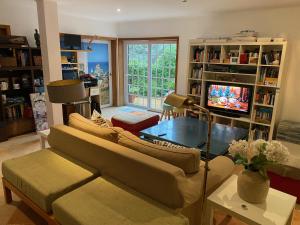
[[176, 100], [66, 91]]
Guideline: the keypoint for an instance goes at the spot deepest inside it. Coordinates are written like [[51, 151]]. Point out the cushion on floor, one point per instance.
[[111, 203], [135, 121], [44, 176]]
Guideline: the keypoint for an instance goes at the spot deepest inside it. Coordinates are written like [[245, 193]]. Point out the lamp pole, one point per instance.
[[206, 167]]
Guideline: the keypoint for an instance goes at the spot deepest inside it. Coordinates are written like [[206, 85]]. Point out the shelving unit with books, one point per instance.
[[255, 64], [20, 71]]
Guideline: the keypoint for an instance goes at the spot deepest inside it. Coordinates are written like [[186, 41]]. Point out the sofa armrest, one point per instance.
[[220, 168]]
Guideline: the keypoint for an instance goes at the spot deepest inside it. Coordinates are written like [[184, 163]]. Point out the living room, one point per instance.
[[158, 112]]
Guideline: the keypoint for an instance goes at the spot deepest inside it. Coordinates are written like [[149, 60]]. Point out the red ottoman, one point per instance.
[[135, 121]]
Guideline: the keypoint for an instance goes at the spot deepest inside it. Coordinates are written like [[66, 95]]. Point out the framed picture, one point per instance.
[[234, 60], [38, 102]]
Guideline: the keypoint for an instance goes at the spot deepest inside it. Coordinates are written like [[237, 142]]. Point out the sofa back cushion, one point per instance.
[[184, 158], [81, 123], [152, 177]]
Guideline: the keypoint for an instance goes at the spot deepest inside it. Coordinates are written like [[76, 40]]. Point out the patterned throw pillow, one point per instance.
[[167, 144], [171, 145], [99, 120]]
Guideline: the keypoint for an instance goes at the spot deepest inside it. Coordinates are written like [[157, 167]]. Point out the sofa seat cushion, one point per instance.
[[108, 202], [81, 123], [44, 176], [185, 158]]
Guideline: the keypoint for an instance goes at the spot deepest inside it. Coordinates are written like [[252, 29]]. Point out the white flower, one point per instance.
[[258, 147], [239, 147], [276, 152]]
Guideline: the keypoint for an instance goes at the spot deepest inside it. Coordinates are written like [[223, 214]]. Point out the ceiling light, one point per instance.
[[118, 10]]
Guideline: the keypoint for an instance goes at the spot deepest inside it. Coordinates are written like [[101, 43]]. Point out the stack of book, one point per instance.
[[260, 133], [195, 89], [265, 97], [271, 58], [14, 108], [268, 76], [199, 55], [197, 72], [263, 115]]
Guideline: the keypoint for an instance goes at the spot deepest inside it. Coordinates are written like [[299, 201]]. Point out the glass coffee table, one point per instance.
[[192, 133]]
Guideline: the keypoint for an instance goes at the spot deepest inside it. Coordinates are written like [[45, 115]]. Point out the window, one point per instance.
[[150, 68]]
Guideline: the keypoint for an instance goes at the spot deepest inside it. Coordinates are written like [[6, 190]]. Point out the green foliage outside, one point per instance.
[[163, 64]]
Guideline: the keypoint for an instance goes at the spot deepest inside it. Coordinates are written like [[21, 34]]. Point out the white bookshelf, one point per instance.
[[255, 70]]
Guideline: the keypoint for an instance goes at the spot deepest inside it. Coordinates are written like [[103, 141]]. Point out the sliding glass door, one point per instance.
[[150, 68]]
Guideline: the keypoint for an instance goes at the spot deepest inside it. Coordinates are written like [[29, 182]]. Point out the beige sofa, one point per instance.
[[87, 176]]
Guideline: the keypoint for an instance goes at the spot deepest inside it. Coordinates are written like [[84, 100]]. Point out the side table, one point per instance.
[[43, 137], [277, 210]]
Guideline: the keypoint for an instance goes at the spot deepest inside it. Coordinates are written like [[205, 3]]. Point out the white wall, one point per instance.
[[272, 22], [21, 15]]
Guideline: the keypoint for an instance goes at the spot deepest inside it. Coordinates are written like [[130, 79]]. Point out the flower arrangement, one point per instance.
[[257, 155]]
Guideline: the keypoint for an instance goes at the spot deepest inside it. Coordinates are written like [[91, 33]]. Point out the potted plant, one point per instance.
[[133, 92], [253, 183]]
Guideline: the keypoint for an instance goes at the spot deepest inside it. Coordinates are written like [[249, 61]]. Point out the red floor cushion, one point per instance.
[[135, 121], [285, 184]]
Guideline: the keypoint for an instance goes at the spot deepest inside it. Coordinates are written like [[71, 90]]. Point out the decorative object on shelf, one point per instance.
[[38, 102], [14, 40], [4, 86], [4, 30], [73, 91], [253, 182], [37, 38]]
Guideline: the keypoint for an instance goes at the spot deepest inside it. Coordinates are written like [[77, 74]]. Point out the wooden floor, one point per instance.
[[18, 213]]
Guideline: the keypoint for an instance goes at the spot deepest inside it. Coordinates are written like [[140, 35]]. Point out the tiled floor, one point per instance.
[[18, 213]]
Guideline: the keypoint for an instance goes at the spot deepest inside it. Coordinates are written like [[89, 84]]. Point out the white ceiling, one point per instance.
[[156, 9]]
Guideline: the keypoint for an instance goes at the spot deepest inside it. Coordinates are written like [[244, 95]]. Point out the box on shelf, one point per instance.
[[8, 61], [37, 60]]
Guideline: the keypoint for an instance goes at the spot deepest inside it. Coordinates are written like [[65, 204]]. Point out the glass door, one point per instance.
[[150, 72], [97, 63]]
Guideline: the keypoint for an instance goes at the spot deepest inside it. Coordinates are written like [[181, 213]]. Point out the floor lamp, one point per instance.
[[66, 92], [206, 168]]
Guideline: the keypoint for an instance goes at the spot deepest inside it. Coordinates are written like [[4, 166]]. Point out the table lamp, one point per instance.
[[66, 92]]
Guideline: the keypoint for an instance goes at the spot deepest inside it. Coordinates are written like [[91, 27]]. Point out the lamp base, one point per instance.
[[67, 110]]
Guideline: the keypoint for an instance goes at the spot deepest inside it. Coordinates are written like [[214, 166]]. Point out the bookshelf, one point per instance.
[[255, 64], [20, 75]]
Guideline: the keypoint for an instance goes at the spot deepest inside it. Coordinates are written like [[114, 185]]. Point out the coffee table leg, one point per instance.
[[208, 215], [289, 222]]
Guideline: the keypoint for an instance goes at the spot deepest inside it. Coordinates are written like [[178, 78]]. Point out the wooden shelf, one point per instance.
[[262, 124], [229, 82], [194, 79], [228, 73], [266, 86], [265, 65], [264, 105], [198, 96], [250, 74], [242, 119], [69, 50], [231, 64], [14, 68]]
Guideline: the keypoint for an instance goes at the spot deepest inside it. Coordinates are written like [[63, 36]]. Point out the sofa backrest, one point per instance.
[[152, 177], [185, 158]]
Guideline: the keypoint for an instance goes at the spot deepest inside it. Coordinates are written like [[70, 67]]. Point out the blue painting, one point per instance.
[[98, 66], [98, 63]]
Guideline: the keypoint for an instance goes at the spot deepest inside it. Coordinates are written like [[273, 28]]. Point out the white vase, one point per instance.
[[252, 186]]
